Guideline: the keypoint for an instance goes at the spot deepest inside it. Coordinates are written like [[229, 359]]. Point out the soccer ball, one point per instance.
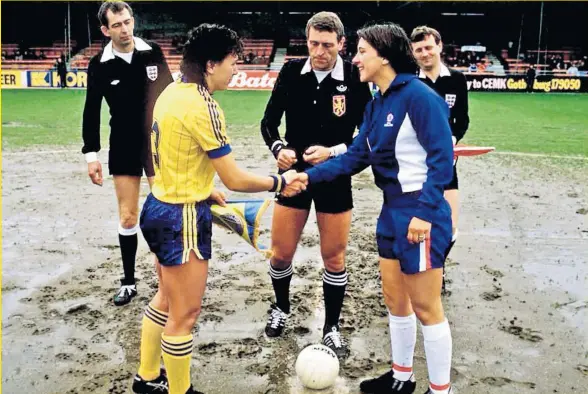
[[317, 367]]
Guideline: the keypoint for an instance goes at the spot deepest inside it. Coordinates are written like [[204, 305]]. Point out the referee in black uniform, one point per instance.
[[451, 85], [129, 73], [324, 101]]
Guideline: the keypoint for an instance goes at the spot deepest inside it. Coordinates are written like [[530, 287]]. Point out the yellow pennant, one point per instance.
[[243, 217]]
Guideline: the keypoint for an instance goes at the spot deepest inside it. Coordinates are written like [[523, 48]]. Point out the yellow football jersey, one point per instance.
[[188, 131]]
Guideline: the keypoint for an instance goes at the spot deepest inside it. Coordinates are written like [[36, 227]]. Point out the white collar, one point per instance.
[[337, 72], [108, 54], [443, 72]]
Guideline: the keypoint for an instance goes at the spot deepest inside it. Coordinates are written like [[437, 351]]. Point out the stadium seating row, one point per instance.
[[257, 54]]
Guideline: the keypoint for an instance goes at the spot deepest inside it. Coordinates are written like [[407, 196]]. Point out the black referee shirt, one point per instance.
[[130, 91], [324, 114], [452, 87]]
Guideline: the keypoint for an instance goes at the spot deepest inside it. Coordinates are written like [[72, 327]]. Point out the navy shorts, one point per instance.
[[392, 230], [172, 231]]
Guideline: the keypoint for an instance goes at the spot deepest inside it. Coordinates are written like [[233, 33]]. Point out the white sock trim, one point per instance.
[[128, 231], [335, 279], [280, 274], [454, 237]]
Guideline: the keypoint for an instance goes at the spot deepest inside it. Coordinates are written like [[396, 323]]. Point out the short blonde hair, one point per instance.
[[326, 21]]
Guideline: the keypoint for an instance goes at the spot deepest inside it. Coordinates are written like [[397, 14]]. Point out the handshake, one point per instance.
[[296, 183]]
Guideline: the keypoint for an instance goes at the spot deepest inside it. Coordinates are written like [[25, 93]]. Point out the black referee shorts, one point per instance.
[[129, 161], [328, 197]]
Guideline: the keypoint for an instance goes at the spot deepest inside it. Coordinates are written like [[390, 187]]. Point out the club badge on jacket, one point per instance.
[[339, 105]]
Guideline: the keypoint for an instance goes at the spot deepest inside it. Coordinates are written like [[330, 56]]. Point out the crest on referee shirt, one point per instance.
[[339, 106], [450, 100], [151, 72]]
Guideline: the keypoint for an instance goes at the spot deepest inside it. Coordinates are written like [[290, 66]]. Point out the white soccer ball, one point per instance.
[[317, 367]]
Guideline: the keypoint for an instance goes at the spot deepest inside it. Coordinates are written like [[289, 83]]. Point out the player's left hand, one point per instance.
[[316, 154], [418, 231], [218, 197]]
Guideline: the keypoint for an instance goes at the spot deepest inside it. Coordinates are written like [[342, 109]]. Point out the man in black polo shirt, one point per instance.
[[323, 100], [129, 73], [451, 85]]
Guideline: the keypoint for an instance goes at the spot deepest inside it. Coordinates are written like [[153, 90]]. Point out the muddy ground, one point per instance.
[[518, 283]]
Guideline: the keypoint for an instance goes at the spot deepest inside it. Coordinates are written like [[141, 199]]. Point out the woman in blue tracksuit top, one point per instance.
[[406, 139]]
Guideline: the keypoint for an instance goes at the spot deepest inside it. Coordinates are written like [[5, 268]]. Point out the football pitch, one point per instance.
[[518, 299], [550, 124]]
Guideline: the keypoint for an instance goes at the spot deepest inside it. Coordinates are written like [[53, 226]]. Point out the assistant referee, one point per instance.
[[129, 73]]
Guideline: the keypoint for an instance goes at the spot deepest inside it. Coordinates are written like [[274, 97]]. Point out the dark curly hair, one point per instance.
[[208, 42], [392, 43]]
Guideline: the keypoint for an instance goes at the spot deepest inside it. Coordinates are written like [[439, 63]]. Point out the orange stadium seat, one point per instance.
[[261, 48]]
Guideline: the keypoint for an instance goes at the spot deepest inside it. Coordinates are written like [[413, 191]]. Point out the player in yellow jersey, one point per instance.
[[190, 146]]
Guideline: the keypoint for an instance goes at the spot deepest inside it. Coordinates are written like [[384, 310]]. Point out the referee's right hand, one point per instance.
[[95, 172], [286, 158]]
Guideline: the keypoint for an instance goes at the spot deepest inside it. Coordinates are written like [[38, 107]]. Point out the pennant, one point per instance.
[[242, 217]]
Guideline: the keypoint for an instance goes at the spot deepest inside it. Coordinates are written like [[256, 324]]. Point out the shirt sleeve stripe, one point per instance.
[[219, 152], [214, 116]]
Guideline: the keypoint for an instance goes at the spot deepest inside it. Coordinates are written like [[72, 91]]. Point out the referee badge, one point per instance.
[[450, 100], [339, 106], [151, 72]]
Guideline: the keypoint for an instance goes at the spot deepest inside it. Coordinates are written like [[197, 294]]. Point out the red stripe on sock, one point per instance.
[[401, 368], [440, 388]]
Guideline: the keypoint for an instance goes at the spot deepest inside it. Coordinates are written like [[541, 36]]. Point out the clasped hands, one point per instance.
[[313, 155]]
